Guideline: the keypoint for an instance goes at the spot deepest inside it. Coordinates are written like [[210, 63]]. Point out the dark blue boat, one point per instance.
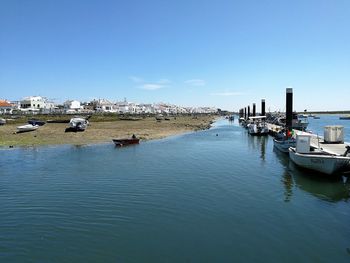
[[36, 122]]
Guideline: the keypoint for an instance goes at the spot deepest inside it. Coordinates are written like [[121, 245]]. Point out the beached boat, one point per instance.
[[2, 121], [58, 121], [125, 142], [316, 159], [27, 128], [257, 126], [78, 123], [36, 122]]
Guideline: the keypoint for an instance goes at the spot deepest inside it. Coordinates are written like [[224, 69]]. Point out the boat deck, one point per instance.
[[316, 141]]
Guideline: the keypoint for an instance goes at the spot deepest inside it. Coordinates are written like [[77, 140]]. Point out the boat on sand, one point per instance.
[[126, 141], [27, 128]]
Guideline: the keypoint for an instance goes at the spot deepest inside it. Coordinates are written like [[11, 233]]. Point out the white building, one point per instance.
[[72, 106], [36, 104], [5, 107], [104, 105]]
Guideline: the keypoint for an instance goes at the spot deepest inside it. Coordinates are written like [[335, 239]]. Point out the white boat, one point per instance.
[[27, 127], [284, 144], [2, 121], [257, 126], [316, 159], [78, 123], [320, 161]]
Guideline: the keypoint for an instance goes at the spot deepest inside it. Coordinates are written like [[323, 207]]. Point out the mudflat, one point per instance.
[[100, 131]]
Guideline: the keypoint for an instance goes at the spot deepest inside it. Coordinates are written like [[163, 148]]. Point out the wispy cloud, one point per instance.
[[151, 86], [146, 85], [227, 93], [195, 82]]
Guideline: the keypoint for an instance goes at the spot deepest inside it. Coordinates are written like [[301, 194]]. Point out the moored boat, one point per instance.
[[320, 161], [257, 126], [316, 159], [345, 117], [2, 121], [27, 128], [284, 144]]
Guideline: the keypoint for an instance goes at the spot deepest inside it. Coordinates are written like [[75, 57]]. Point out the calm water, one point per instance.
[[192, 198]]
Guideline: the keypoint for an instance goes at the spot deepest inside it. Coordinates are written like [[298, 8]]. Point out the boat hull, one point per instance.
[[283, 145], [125, 142], [27, 128], [323, 163]]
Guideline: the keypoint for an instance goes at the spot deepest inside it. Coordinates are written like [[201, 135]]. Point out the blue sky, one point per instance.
[[227, 54]]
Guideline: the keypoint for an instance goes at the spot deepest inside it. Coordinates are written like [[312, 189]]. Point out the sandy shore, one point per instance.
[[102, 131]]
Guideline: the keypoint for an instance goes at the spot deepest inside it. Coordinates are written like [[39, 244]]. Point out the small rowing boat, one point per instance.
[[127, 141]]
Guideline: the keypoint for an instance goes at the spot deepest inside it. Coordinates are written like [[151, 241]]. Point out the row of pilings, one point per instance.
[[245, 112]]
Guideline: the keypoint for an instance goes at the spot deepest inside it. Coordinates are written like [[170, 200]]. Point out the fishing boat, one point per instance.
[[27, 128], [283, 141], [284, 144], [127, 141], [2, 121], [257, 126], [316, 159], [36, 122]]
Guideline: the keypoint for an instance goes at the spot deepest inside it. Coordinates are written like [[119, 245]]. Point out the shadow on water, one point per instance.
[[332, 189]]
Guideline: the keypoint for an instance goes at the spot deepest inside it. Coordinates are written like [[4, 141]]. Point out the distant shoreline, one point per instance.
[[103, 131], [324, 112]]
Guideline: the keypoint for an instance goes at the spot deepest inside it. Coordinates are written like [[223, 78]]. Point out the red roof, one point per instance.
[[4, 103]]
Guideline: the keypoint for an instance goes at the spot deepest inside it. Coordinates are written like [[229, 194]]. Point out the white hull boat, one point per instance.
[[284, 144], [2, 121], [257, 126], [79, 124], [27, 128], [320, 161]]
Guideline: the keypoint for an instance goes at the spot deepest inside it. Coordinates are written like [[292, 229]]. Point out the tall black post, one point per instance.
[[254, 110], [248, 111], [263, 107], [245, 113], [289, 108]]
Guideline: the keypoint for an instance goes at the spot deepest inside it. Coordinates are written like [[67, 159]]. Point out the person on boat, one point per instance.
[[133, 136]]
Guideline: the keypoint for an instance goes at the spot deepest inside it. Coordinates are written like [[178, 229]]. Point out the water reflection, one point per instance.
[[325, 188], [258, 143]]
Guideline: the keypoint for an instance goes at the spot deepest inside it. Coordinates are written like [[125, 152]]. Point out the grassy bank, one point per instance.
[[101, 129]]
